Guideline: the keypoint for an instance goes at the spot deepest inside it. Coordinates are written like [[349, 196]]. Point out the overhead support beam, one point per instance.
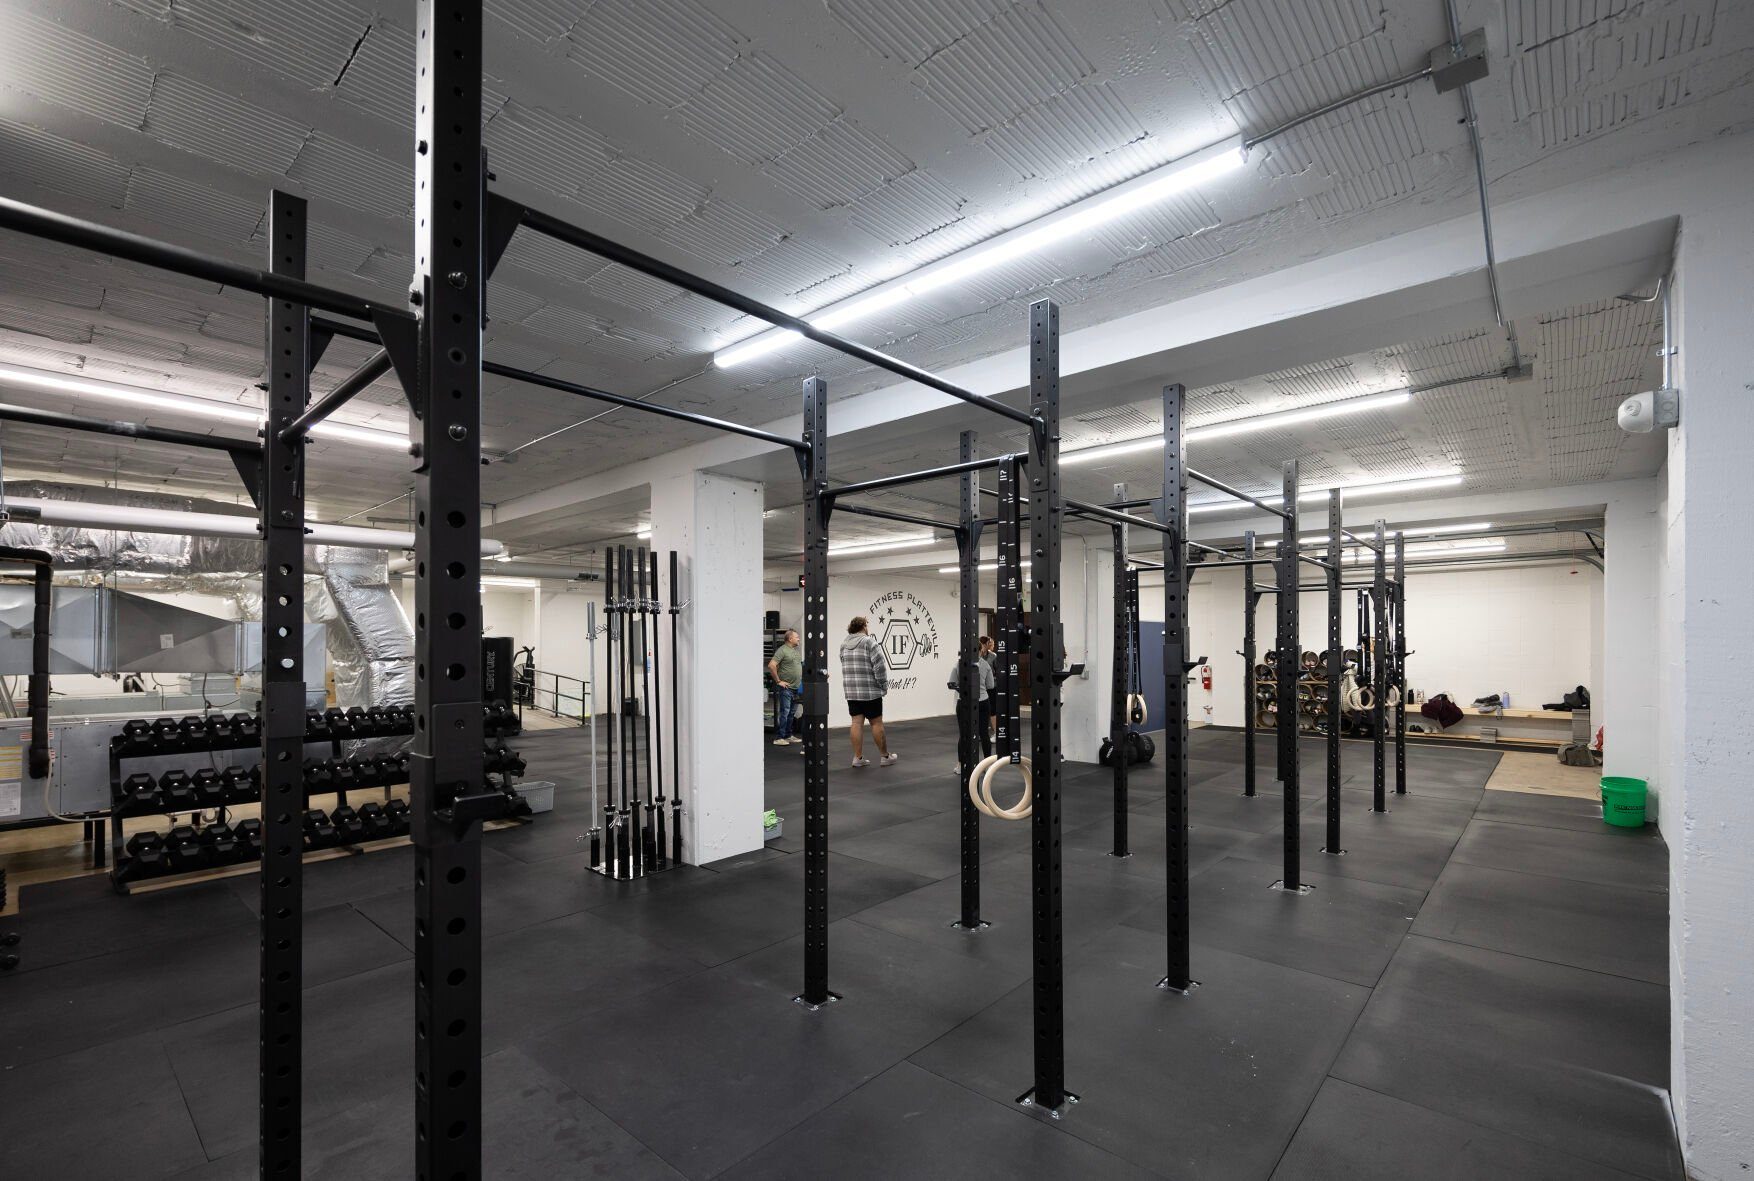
[[554, 227], [904, 518], [129, 430], [1219, 486], [933, 473], [89, 235]]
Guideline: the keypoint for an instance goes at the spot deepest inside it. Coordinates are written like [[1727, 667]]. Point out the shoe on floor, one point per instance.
[[861, 762], [782, 742], [794, 740], [887, 759]]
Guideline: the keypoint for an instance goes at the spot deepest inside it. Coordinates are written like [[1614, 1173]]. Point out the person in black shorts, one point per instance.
[[865, 679]]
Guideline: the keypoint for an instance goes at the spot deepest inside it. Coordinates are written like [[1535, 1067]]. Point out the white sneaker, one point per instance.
[[794, 740], [861, 762], [888, 759], [782, 742]]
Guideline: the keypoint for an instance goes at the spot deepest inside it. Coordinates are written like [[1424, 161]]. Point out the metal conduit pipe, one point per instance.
[[82, 515]]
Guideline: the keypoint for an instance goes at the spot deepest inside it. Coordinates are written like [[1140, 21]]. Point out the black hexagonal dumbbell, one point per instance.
[[221, 844], [167, 734], [343, 775], [193, 730], [249, 834], [209, 788], [146, 850], [238, 784], [319, 833], [397, 813], [137, 734], [141, 794], [319, 776], [365, 772], [348, 828], [340, 726], [374, 824], [360, 721], [246, 727], [177, 791], [184, 850], [219, 728]]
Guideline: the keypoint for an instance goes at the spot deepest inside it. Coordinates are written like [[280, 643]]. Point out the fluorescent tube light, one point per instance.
[[1039, 234], [514, 583], [984, 568], [1437, 550], [871, 547], [1414, 484], [208, 408], [1388, 535], [1245, 426]]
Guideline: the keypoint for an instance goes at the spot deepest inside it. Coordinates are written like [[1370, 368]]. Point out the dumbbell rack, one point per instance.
[[1312, 701], [199, 851]]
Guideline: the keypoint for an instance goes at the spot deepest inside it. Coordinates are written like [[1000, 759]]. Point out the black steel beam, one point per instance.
[[1336, 667], [1379, 667], [90, 235], [448, 799], [932, 473], [905, 518], [1112, 516], [1046, 655], [280, 1049], [1251, 700], [1120, 683], [130, 430], [1290, 662], [366, 335], [968, 682], [1398, 595], [1219, 486], [554, 227], [375, 366], [1172, 511], [596, 395], [814, 460]]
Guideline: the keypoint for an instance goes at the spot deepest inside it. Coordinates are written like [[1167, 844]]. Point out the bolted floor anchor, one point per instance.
[[979, 926], [1333, 852], [1300, 890], [1179, 989], [815, 1006], [1027, 1099]]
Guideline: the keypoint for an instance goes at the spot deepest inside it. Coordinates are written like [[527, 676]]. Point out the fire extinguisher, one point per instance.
[[1206, 677]]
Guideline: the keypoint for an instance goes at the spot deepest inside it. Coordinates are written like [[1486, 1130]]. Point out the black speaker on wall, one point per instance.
[[496, 670], [773, 621]]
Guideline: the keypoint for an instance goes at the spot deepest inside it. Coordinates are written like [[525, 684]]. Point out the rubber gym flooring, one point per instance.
[[1476, 988]]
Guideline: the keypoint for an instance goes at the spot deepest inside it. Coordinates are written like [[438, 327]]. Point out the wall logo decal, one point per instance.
[[903, 624]]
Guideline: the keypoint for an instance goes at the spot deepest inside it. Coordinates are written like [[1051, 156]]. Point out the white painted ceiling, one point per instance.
[[799, 150]]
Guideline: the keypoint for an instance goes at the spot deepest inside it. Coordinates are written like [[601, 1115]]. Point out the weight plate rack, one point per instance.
[[190, 847]]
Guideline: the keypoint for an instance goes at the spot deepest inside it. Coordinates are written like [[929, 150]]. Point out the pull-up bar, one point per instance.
[[931, 473], [554, 227], [354, 332], [886, 515], [1220, 486], [89, 235], [130, 430], [1102, 513]]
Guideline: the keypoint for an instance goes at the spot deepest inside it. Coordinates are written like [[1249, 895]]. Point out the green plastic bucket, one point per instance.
[[1623, 800]]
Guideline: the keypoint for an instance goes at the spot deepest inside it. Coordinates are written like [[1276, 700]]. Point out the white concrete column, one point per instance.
[[1624, 702], [714, 524], [1707, 731], [1087, 607]]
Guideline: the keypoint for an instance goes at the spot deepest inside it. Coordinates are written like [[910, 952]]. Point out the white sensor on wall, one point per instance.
[[1643, 413]]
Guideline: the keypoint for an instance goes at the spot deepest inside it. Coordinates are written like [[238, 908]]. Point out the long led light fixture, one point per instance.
[[1436, 550], [1320, 539], [984, 568], [1244, 426], [208, 408], [871, 547], [1417, 484], [1043, 232]]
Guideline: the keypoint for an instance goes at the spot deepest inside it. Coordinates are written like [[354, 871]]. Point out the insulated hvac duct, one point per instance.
[[371, 646], [139, 531]]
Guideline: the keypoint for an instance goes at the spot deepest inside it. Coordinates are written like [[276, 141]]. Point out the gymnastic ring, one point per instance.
[[1366, 697], [1136, 708], [980, 788]]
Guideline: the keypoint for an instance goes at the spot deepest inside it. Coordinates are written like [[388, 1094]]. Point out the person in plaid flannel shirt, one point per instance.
[[865, 679]]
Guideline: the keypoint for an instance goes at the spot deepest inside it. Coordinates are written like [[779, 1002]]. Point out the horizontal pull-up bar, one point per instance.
[[375, 367], [129, 430], [583, 391], [1369, 545], [74, 231], [544, 223], [1098, 513], [886, 515], [931, 473], [1220, 486]]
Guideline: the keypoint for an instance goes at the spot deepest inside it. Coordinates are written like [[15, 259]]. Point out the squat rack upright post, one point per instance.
[[1335, 662], [1119, 711], [968, 680], [1379, 665], [1290, 662], [814, 461], [1172, 516], [1399, 594], [1250, 690]]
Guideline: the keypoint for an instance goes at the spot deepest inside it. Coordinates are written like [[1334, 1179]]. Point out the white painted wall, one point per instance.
[[1705, 727], [918, 690], [1522, 629], [1627, 701]]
